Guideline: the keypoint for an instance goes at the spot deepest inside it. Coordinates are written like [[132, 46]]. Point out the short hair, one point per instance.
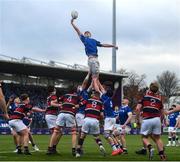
[[51, 89], [87, 32], [23, 97], [154, 87]]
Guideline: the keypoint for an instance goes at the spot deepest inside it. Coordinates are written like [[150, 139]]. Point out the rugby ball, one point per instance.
[[74, 14]]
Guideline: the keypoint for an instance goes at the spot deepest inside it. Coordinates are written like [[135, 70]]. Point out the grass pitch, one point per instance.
[[91, 151]]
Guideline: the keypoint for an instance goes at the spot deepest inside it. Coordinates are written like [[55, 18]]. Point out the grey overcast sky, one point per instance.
[[148, 32]]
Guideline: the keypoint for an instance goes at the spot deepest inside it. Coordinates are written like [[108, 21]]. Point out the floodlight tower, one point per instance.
[[114, 36]]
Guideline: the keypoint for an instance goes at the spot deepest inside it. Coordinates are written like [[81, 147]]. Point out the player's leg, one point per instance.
[[80, 144], [70, 122], [148, 146], [169, 137], [94, 70], [99, 143], [25, 136], [173, 138], [123, 141], [116, 134], [55, 137], [94, 129], [74, 140], [22, 131], [16, 139], [32, 141], [156, 134], [143, 150], [146, 130], [20, 144], [109, 137], [177, 140], [109, 124], [51, 123], [57, 133], [160, 146]]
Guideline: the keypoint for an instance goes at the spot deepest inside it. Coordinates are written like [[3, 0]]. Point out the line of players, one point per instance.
[[93, 109], [80, 110]]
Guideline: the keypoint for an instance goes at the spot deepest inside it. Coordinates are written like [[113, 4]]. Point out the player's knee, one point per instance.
[[73, 131], [116, 133], [79, 130], [56, 130], [107, 134], [145, 136], [83, 135]]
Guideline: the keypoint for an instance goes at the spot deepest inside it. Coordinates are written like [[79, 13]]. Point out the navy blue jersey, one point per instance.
[[84, 94], [11, 108], [90, 45], [123, 114], [172, 119], [27, 121], [116, 114], [108, 106]]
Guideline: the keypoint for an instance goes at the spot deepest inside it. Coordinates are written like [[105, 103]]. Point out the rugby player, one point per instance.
[[93, 113], [52, 111], [152, 109], [171, 122], [16, 122], [110, 120], [12, 104], [66, 118], [92, 53], [125, 116]]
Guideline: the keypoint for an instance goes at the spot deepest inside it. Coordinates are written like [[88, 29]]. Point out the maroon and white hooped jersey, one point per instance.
[[68, 103], [94, 107], [51, 110], [21, 111], [151, 105]]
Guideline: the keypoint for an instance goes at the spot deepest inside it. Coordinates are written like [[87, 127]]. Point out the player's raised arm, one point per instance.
[[86, 81], [75, 27], [109, 46]]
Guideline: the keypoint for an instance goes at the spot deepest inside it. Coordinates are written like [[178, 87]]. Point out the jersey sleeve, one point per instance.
[[85, 94], [98, 44], [82, 38], [129, 110], [104, 98]]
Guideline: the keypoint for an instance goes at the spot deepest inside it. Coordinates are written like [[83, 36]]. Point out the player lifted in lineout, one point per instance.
[[91, 51]]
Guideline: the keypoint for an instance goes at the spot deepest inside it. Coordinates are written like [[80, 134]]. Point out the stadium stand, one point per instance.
[[33, 76]]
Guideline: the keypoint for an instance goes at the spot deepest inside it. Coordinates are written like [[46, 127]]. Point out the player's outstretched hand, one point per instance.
[[116, 47]]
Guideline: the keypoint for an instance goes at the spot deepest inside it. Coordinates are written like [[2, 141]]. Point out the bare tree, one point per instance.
[[134, 87], [168, 82]]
